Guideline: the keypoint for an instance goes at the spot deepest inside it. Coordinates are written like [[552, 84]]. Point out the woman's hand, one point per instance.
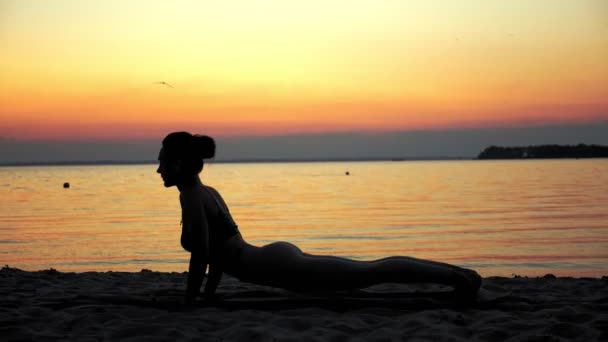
[[190, 297], [212, 298], [190, 300]]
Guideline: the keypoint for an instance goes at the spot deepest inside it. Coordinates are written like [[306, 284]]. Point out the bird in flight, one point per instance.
[[165, 83]]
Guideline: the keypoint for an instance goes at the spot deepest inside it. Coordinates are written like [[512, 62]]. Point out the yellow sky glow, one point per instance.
[[271, 67]]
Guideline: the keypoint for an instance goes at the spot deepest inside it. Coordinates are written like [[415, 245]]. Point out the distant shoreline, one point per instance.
[[265, 161], [268, 161], [229, 161], [579, 151]]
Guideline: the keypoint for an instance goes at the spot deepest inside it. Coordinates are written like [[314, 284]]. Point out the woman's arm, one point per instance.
[[215, 275], [197, 228], [196, 274]]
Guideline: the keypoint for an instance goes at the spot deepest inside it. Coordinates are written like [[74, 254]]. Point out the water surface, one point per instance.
[[528, 217]]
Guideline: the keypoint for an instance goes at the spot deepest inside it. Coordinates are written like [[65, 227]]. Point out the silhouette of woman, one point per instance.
[[212, 237]]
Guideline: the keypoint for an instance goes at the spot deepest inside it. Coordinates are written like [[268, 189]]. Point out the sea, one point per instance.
[[501, 218]]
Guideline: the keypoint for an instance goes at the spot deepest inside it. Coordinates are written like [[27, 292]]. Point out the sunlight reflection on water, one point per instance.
[[501, 217]]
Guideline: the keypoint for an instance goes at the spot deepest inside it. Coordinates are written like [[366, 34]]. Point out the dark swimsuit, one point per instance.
[[221, 228]]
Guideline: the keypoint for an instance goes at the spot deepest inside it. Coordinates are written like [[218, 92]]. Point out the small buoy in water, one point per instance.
[[347, 173], [66, 185]]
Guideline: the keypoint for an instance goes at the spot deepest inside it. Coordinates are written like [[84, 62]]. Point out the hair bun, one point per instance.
[[204, 145]]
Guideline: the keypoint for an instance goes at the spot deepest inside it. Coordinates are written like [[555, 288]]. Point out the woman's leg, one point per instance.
[[283, 265], [337, 273]]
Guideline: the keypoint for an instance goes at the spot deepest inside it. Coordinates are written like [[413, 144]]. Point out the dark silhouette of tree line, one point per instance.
[[545, 151]]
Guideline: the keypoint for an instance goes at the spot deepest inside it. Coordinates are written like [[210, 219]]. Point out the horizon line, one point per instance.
[[229, 161]]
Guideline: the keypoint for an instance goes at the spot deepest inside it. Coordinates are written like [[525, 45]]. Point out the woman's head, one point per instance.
[[181, 156]]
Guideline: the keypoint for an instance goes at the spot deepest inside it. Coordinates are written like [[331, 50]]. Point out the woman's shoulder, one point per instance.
[[212, 190], [217, 197]]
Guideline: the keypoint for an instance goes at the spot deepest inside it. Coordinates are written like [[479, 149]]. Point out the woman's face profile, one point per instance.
[[168, 169]]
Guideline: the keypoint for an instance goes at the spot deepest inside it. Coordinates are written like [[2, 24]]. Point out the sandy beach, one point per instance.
[[146, 306]]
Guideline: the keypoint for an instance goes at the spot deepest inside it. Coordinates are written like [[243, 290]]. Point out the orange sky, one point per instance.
[[78, 69]]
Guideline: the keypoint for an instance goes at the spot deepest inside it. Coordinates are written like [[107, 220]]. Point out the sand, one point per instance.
[[146, 306]]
